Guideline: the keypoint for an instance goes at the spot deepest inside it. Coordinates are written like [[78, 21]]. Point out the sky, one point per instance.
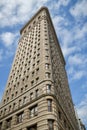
[[70, 21]]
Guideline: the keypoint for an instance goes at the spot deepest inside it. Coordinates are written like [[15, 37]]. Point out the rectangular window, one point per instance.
[[49, 105], [36, 93], [0, 125], [46, 66], [21, 90], [50, 125], [20, 103], [8, 122], [32, 127], [65, 123], [9, 108], [37, 70], [46, 51], [33, 73], [37, 79], [12, 96], [38, 62], [31, 96], [47, 75], [59, 113], [24, 100], [14, 106], [48, 88], [33, 111], [20, 117], [32, 82], [47, 57]]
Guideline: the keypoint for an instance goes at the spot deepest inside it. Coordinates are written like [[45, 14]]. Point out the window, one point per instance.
[[24, 100], [32, 128], [38, 62], [39, 17], [21, 90], [50, 125], [26, 86], [20, 103], [33, 65], [6, 92], [38, 55], [16, 93], [5, 110], [33, 73], [7, 99], [4, 101], [23, 79], [49, 105], [37, 70], [36, 93], [47, 75], [37, 79], [65, 123], [48, 88], [59, 114], [0, 125], [32, 83], [9, 108], [29, 27], [14, 106], [27, 77], [20, 117], [47, 57], [33, 111], [31, 96], [9, 122], [46, 66]]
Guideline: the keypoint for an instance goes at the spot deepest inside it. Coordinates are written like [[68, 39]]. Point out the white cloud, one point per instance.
[[79, 74], [82, 109], [77, 60], [80, 9], [17, 11], [80, 32], [77, 66], [68, 50], [8, 38], [58, 4]]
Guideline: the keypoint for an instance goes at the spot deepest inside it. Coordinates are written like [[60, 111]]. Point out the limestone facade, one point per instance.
[[37, 95]]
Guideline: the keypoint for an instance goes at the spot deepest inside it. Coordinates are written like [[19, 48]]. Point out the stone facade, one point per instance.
[[37, 95]]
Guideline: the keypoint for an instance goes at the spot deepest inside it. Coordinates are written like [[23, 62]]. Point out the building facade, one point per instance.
[[37, 95]]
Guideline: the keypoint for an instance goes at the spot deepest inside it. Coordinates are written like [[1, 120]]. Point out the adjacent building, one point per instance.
[[37, 94]]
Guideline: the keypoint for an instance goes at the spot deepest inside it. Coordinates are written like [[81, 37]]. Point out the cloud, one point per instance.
[[17, 11], [79, 74], [8, 38], [57, 4], [80, 9], [82, 109], [77, 60], [77, 66]]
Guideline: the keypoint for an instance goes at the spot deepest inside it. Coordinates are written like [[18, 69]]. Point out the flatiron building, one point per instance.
[[37, 94]]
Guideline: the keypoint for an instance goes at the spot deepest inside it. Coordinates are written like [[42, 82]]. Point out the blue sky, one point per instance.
[[70, 22]]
